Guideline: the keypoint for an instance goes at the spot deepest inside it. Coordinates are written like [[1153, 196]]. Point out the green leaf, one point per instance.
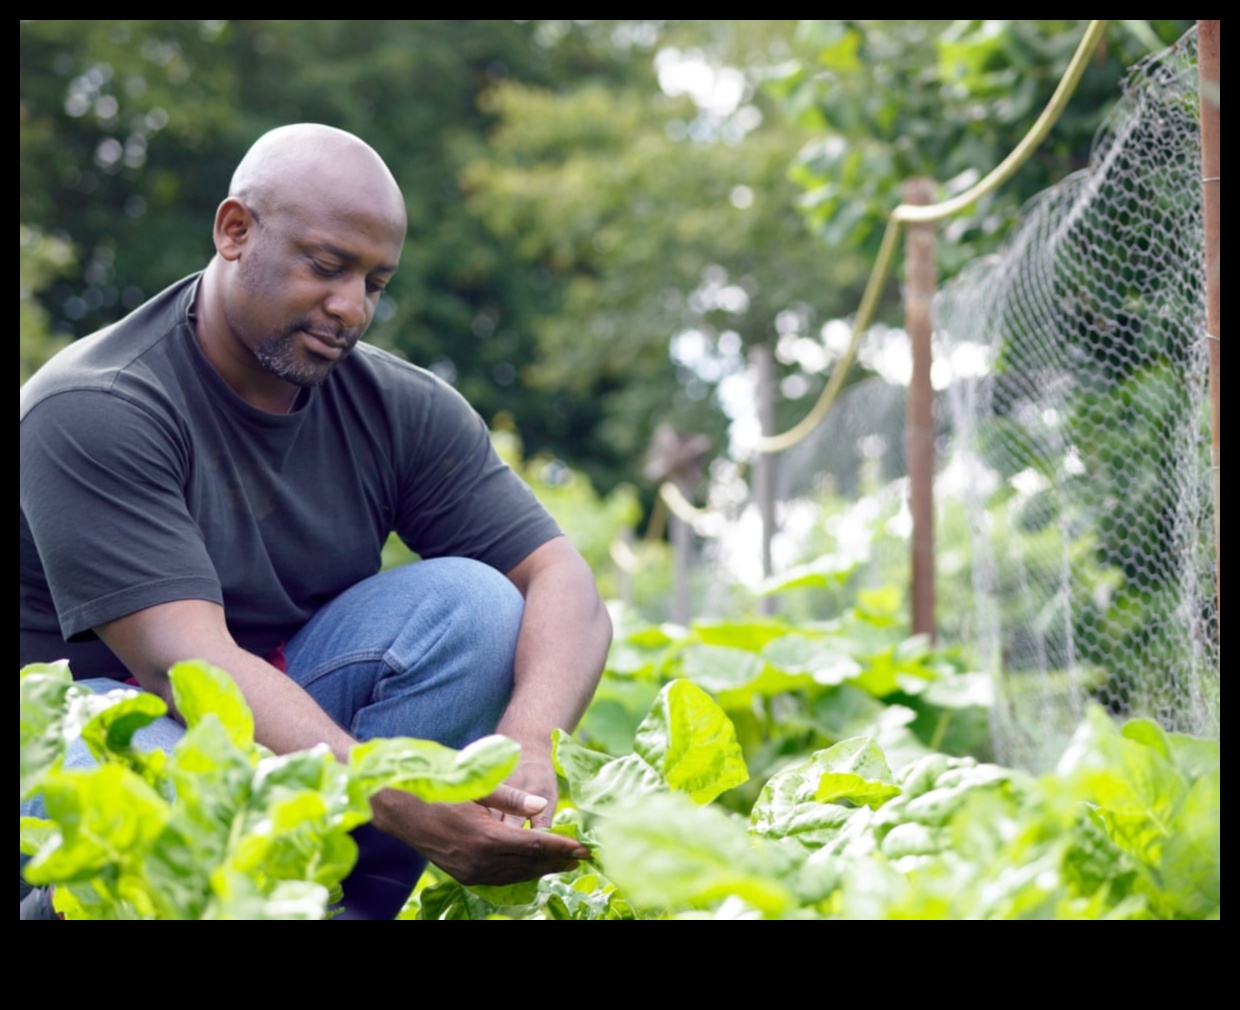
[[802, 802], [855, 770], [964, 690], [821, 659], [41, 716], [577, 764], [106, 816], [1191, 868], [1135, 788], [664, 852], [720, 669], [750, 636], [523, 893], [619, 781], [826, 572], [199, 689], [1194, 756], [691, 743], [109, 734], [432, 772]]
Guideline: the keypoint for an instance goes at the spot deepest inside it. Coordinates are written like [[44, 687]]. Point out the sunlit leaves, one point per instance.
[[219, 828]]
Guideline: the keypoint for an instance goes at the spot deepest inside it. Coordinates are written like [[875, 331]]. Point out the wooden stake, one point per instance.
[[764, 469], [1209, 70], [919, 432]]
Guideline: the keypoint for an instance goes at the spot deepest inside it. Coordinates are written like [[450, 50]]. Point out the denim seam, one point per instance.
[[348, 659]]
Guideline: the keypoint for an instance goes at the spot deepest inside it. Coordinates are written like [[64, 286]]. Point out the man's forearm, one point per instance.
[[562, 648], [286, 717]]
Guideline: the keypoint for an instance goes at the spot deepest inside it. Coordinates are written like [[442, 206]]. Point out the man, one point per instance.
[[214, 477]]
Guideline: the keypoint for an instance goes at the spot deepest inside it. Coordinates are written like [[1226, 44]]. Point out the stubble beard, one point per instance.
[[279, 356]]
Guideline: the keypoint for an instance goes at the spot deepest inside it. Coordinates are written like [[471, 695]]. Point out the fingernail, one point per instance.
[[533, 804]]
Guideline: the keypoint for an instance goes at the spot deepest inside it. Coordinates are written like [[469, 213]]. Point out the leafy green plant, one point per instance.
[[790, 689], [219, 828], [1127, 826]]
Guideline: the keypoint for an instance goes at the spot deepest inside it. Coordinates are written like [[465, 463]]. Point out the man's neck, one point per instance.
[[229, 357]]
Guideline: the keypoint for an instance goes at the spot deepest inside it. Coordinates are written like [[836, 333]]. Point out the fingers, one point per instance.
[[510, 800], [500, 853]]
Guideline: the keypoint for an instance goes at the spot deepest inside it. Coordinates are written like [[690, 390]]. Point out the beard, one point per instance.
[[281, 356]]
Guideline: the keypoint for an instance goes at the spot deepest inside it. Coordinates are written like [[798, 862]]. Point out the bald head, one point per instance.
[[308, 161]]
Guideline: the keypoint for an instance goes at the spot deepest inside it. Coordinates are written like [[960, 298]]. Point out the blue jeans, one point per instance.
[[426, 651]]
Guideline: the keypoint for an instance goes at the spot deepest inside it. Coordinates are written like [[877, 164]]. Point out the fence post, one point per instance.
[[919, 433], [764, 468], [1209, 70]]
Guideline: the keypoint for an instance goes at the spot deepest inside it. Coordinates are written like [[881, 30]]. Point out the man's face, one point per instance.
[[309, 281]]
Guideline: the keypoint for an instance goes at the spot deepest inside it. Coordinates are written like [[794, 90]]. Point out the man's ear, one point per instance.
[[234, 225]]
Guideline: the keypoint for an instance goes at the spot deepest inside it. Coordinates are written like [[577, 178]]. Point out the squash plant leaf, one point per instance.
[[432, 772], [664, 851], [200, 689], [689, 741]]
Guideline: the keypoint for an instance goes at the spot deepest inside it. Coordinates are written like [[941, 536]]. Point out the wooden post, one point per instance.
[[626, 572], [1210, 73], [919, 436], [681, 534], [764, 469]]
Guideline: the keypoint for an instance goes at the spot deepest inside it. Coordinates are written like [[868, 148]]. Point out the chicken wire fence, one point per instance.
[[1086, 444]]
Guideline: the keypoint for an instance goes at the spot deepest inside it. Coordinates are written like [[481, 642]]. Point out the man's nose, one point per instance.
[[347, 302]]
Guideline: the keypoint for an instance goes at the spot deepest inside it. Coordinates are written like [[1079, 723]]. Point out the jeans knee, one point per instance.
[[478, 611]]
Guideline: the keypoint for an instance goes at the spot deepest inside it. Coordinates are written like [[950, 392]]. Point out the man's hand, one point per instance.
[[465, 841], [535, 775]]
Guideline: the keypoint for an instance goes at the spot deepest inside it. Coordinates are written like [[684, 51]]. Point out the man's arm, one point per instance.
[[562, 648], [460, 838]]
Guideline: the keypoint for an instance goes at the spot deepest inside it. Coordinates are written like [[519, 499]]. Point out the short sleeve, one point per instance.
[[460, 499], [103, 497]]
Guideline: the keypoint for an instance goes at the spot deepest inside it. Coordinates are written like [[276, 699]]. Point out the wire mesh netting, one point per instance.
[[1086, 445]]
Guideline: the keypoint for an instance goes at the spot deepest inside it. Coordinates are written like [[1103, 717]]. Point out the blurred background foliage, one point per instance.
[[605, 216]]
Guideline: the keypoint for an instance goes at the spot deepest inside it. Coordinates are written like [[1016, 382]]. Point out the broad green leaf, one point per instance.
[[879, 674], [748, 636], [450, 900], [847, 711], [1194, 756], [691, 743], [720, 669], [619, 705], [199, 689], [1135, 788], [34, 833], [41, 716], [237, 897], [57, 671], [664, 851], [107, 816], [963, 690], [523, 893], [1149, 733], [109, 734], [432, 772], [619, 781], [576, 764], [802, 802], [952, 790], [1191, 869], [856, 771], [820, 658], [825, 572]]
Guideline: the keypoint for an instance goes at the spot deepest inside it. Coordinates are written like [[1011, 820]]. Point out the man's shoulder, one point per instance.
[[375, 374], [108, 360]]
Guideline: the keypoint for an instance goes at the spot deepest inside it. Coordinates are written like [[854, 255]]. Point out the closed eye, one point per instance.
[[325, 269]]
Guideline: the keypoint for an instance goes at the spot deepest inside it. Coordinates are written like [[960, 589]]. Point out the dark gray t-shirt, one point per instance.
[[146, 479]]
